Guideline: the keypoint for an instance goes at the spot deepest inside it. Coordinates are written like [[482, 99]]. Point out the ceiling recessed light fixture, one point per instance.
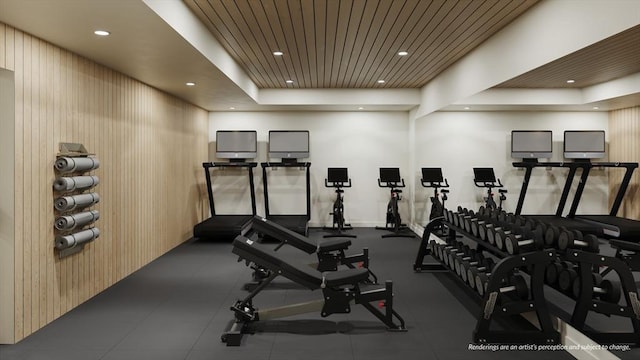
[[381, 81], [190, 83], [467, 108], [289, 81], [278, 53], [570, 81], [596, 108], [102, 33], [403, 53], [232, 108], [360, 108]]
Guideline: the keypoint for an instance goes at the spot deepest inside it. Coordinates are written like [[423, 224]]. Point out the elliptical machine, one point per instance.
[[390, 178], [432, 178], [338, 178], [486, 178]]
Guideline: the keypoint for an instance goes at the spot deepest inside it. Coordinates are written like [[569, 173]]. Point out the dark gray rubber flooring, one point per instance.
[[177, 307]]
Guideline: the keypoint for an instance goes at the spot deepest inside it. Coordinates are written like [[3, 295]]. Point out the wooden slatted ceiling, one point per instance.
[[352, 43], [609, 59]]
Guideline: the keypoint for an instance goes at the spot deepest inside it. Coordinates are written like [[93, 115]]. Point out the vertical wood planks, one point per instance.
[[150, 144]]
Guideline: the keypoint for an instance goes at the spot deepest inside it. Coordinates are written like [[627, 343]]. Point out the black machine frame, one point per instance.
[[227, 226], [296, 222], [390, 178], [338, 178]]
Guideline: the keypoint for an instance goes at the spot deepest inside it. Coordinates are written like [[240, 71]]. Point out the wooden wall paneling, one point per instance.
[[3, 46], [150, 146], [7, 198], [624, 132]]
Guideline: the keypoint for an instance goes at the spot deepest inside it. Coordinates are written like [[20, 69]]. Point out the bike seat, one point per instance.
[[397, 191], [502, 191], [339, 191]]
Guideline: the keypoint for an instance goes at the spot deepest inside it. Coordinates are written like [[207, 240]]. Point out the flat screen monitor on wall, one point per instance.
[[584, 144], [236, 144], [531, 144], [288, 144]]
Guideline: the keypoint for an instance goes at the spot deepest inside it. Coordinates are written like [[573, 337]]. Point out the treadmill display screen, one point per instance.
[[584, 144], [527, 144], [236, 144], [288, 144]]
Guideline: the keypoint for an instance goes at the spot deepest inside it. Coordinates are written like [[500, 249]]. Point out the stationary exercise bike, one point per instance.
[[486, 178], [390, 178], [338, 178], [432, 178]]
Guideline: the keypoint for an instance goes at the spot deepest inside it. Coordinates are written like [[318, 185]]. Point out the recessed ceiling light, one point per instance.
[[360, 108], [403, 53], [190, 84], [278, 53], [570, 81], [102, 33], [381, 81], [232, 108], [467, 108], [289, 81], [595, 108]]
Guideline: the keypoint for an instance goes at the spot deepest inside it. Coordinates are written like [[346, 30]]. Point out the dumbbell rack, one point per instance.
[[494, 303], [585, 302]]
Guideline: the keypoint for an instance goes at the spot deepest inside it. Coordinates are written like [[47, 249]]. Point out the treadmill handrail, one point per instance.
[[265, 183], [252, 190]]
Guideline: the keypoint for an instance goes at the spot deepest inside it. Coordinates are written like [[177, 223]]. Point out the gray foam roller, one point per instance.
[[70, 164], [70, 222], [72, 240], [68, 203], [65, 184]]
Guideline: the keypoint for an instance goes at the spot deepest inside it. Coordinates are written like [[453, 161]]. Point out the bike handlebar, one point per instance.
[[488, 184], [434, 184], [337, 184], [391, 184]]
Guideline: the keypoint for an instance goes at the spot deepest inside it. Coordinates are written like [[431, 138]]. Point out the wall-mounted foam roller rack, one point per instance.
[[74, 222], [501, 287]]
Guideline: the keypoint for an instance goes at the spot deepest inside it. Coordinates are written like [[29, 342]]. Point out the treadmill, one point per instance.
[[289, 146], [236, 146], [611, 225], [532, 145]]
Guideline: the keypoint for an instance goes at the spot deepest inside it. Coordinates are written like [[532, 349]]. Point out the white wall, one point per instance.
[[459, 141], [360, 141]]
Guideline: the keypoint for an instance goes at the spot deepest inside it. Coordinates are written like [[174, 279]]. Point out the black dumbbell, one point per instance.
[[566, 277], [440, 248], [606, 290], [500, 235], [451, 254], [458, 260], [551, 235], [553, 270], [469, 269], [485, 267], [529, 240], [575, 239], [448, 251], [517, 284]]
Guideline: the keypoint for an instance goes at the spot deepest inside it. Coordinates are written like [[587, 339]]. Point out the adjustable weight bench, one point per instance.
[[339, 289], [330, 252]]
